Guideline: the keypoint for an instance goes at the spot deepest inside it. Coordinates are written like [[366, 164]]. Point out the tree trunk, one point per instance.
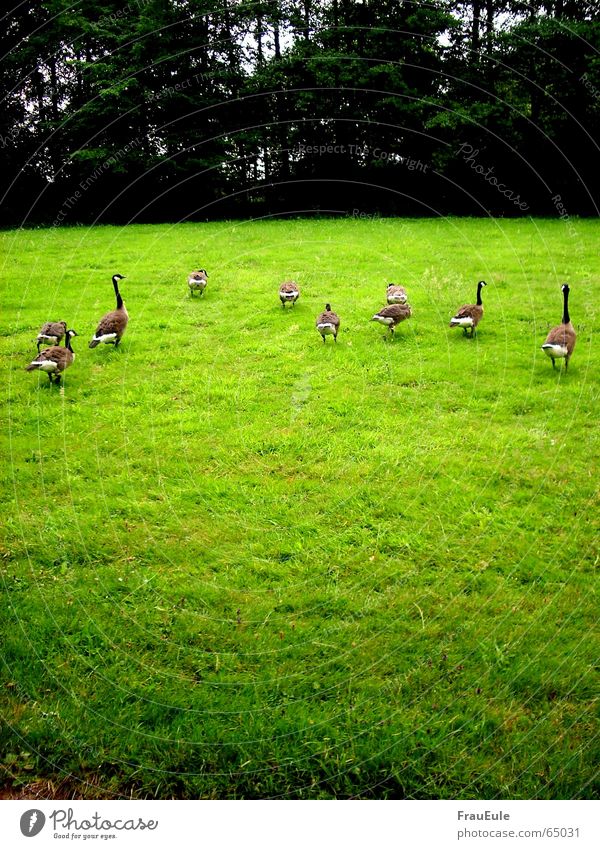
[[242, 165], [259, 37], [336, 24], [37, 82], [475, 38], [230, 50], [53, 88], [489, 27]]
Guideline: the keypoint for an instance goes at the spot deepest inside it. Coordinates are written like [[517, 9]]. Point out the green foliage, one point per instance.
[[215, 99], [238, 562]]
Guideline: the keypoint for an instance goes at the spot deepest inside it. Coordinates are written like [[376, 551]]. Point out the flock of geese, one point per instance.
[[54, 360]]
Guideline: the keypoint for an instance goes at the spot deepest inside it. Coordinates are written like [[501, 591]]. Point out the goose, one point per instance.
[[54, 360], [328, 323], [289, 293], [51, 333], [471, 314], [560, 342], [112, 326], [393, 315], [197, 281], [396, 294]]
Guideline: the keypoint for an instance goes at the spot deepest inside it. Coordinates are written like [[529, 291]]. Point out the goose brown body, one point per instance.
[[197, 281], [328, 323], [54, 360], [289, 293], [560, 342], [113, 325], [392, 316], [51, 333], [396, 294], [469, 315]]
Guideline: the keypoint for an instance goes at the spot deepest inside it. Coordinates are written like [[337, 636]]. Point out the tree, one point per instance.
[[182, 108]]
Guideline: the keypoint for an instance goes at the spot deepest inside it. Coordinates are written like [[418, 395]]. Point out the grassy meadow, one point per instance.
[[240, 563]]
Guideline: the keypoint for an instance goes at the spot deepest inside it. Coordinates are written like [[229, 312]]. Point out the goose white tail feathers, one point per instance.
[[557, 351], [462, 321], [104, 339]]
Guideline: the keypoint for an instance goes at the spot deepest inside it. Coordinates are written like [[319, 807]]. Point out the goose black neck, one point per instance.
[[118, 294], [479, 288], [566, 318], [68, 343]]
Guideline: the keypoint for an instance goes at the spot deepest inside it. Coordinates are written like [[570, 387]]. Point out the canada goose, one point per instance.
[[328, 323], [54, 360], [197, 281], [396, 294], [471, 314], [51, 333], [560, 342], [112, 326], [288, 293], [393, 315]]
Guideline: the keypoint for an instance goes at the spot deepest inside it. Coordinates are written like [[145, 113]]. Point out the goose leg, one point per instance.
[[566, 363], [553, 362]]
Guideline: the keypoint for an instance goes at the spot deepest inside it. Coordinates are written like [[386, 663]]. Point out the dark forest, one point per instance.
[[168, 110]]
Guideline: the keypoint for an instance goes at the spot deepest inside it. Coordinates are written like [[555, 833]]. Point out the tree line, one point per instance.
[[155, 110]]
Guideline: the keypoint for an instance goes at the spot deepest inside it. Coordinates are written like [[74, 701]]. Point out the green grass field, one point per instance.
[[240, 563]]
